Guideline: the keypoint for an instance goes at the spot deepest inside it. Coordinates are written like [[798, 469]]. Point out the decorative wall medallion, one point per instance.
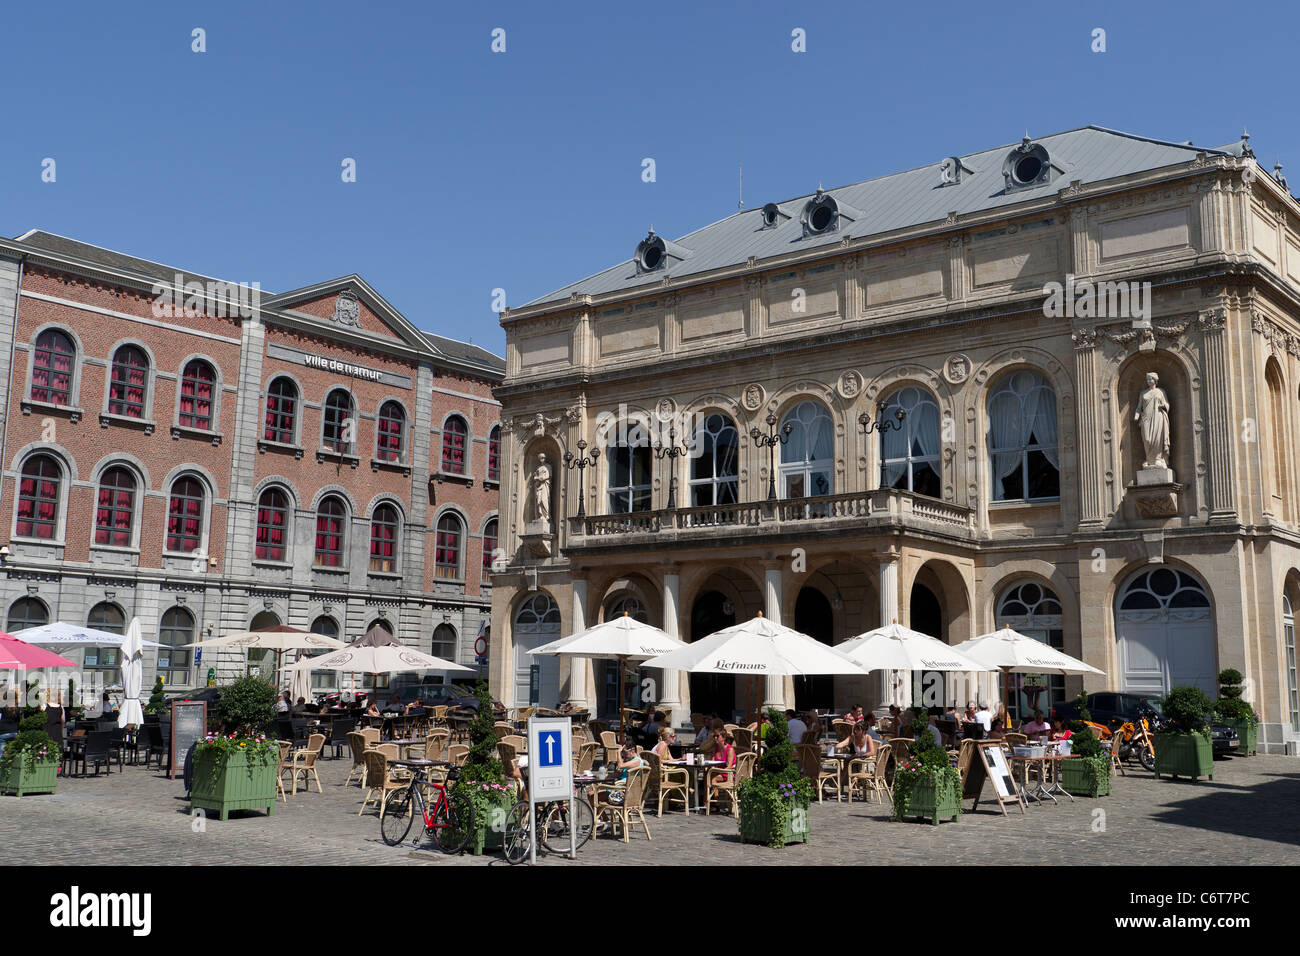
[[754, 396], [850, 384], [347, 310], [957, 369], [666, 409]]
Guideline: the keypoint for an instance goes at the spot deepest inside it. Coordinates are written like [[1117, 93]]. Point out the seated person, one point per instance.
[[710, 743], [650, 729], [724, 749], [794, 726], [396, 704], [891, 723], [852, 714], [997, 731], [414, 706], [628, 759], [859, 742], [869, 723], [667, 737], [759, 727], [372, 710], [282, 705], [985, 717], [1036, 727], [1060, 731], [704, 733]]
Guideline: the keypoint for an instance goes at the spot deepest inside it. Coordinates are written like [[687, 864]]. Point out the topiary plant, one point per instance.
[[777, 792], [157, 702], [245, 705], [1230, 681], [1187, 710]]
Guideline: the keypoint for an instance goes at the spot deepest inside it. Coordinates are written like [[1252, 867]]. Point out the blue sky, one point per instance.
[[522, 170]]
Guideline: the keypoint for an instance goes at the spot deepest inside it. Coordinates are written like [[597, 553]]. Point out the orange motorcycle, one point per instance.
[[1135, 740]]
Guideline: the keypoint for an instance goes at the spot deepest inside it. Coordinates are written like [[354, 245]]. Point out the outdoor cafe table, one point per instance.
[[406, 743], [1048, 772], [695, 770]]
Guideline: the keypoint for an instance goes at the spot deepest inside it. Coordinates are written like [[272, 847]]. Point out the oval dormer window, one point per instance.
[[1027, 169], [770, 215], [821, 214], [651, 253], [652, 256], [1026, 165]]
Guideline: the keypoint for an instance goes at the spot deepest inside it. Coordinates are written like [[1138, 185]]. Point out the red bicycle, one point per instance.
[[447, 817]]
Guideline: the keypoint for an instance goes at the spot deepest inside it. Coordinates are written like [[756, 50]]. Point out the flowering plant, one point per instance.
[[32, 745], [259, 747], [778, 795]]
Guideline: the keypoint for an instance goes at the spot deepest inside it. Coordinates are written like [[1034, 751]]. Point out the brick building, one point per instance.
[[210, 457]]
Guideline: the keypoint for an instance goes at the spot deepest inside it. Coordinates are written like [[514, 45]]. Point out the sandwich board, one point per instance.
[[990, 763]]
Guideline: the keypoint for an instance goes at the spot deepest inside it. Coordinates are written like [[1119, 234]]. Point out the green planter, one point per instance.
[[1247, 733], [1184, 755], [757, 825], [233, 783], [42, 778], [1086, 776], [925, 794], [486, 836]]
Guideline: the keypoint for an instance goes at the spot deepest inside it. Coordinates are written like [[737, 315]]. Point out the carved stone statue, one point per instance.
[[542, 491], [1153, 414]]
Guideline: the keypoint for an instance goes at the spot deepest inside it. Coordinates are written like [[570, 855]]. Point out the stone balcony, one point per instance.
[[854, 514]]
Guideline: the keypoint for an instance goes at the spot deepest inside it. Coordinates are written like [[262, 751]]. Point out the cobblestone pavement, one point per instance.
[[1244, 816]]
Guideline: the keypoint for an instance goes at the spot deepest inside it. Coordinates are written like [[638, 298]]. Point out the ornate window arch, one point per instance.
[[629, 471], [715, 461], [115, 503], [455, 446], [807, 465], [384, 524], [339, 422], [910, 454], [128, 382], [40, 498], [175, 630], [281, 423], [273, 537], [27, 612], [331, 531], [1033, 609], [448, 547], [390, 432], [54, 365], [198, 395], [1022, 438]]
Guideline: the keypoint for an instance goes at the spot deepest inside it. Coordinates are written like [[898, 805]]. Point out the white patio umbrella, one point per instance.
[[1015, 653], [132, 663], [378, 652], [623, 639], [898, 648], [63, 635], [758, 648], [279, 638]]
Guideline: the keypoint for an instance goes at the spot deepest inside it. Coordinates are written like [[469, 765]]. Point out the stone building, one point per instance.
[[954, 363], [210, 457]]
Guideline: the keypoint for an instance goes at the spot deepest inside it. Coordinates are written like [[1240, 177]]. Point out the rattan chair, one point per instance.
[[609, 740], [869, 772], [744, 739], [1015, 740], [818, 772], [357, 742], [667, 782], [371, 736], [843, 729], [879, 781], [586, 757], [724, 780], [456, 754], [304, 763], [435, 745], [380, 780], [516, 741], [902, 748], [633, 797]]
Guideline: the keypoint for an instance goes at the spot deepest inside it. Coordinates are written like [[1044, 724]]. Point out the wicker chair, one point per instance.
[[609, 740], [812, 735], [371, 736], [596, 728], [744, 739], [1015, 740], [502, 729], [633, 797], [814, 768], [304, 763], [743, 770], [380, 780], [902, 749], [879, 782], [842, 728], [665, 782], [435, 745], [456, 754], [357, 741], [507, 753], [516, 741], [440, 715], [286, 758], [586, 757]]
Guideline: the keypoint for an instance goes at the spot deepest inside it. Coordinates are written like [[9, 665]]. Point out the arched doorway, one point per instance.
[[712, 693], [1035, 611], [926, 615], [1165, 629], [813, 616], [537, 621], [261, 661], [608, 678]]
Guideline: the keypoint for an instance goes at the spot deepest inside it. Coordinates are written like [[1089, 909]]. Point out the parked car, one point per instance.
[[1112, 709]]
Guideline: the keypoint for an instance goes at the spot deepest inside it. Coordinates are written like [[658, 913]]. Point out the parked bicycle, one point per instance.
[[447, 817], [552, 825]]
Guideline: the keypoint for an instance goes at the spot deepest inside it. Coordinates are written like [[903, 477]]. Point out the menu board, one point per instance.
[[989, 762], [1003, 782], [189, 726]]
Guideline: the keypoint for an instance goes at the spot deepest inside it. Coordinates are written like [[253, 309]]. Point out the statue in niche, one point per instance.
[[1153, 416], [542, 492]]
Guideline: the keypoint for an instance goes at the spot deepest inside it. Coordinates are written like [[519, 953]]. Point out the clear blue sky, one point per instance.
[[522, 170]]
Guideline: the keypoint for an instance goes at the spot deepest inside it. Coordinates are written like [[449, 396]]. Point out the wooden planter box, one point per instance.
[[42, 778], [1247, 734], [1086, 776], [757, 826], [1184, 755], [486, 837], [924, 800], [232, 784]]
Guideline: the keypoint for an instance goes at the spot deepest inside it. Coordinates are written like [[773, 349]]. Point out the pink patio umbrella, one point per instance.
[[16, 655]]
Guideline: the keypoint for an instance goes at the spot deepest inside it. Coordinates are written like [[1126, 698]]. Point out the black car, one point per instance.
[[1112, 709]]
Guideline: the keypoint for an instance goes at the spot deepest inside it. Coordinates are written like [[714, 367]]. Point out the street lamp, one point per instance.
[[581, 462], [770, 441], [882, 425], [672, 452]]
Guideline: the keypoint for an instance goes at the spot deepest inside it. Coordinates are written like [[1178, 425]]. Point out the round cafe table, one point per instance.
[[696, 771]]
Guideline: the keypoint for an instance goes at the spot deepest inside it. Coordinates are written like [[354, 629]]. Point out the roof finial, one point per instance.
[[1245, 143], [652, 228]]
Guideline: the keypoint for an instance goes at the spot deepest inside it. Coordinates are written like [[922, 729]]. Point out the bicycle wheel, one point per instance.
[[398, 813], [555, 828], [453, 823], [518, 834]]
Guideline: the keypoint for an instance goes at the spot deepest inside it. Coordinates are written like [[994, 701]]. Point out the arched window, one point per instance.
[[38, 498], [105, 616], [1280, 485], [446, 562], [175, 631], [1292, 684], [272, 523], [629, 605], [715, 462], [1164, 628], [52, 365], [489, 546], [539, 610], [340, 426], [455, 434], [27, 612], [185, 515], [281, 411], [331, 531], [391, 432], [198, 389], [1022, 438], [383, 624], [909, 456], [115, 507], [536, 621], [807, 456], [324, 680], [383, 539], [128, 379], [444, 642], [629, 470], [325, 625], [1034, 611], [494, 454]]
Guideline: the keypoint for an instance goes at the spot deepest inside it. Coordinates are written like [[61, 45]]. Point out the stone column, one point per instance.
[[888, 615], [1089, 434], [578, 666], [1220, 430], [670, 698], [773, 687]]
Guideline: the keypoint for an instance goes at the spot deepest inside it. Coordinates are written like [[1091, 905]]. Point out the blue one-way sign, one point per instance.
[[550, 751]]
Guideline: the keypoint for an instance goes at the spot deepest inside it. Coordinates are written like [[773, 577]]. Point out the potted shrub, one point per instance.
[[1086, 772], [774, 802], [928, 785], [30, 761], [157, 701], [482, 780], [1236, 713], [1182, 745], [236, 769]]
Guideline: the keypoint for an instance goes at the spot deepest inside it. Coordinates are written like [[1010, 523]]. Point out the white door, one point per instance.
[[1165, 627], [537, 622]]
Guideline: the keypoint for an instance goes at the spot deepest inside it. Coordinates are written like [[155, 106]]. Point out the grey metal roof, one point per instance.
[[1090, 154]]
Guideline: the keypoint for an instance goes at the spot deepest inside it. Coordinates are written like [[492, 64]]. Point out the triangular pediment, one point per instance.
[[349, 304]]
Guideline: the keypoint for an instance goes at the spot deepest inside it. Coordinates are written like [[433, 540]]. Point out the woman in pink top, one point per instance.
[[724, 749]]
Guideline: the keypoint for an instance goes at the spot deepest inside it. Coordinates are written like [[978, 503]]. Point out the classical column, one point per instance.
[[1088, 440], [773, 687], [578, 666], [888, 615], [1220, 430], [670, 698]]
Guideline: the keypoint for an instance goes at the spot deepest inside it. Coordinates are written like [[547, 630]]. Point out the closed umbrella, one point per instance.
[[300, 686], [132, 675], [622, 639], [1015, 653]]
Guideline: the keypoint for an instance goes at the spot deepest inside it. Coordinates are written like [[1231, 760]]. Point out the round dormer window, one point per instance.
[[1027, 169], [822, 218], [771, 214], [1027, 165], [651, 253], [821, 214], [652, 256]]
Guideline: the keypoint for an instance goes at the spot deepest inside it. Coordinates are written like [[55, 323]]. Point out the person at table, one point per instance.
[[651, 728], [711, 740], [795, 726], [869, 725], [892, 721], [1036, 727], [858, 742], [667, 737], [997, 730], [282, 705], [724, 750], [759, 727], [920, 728], [1060, 730], [985, 717], [372, 710], [414, 706], [396, 704]]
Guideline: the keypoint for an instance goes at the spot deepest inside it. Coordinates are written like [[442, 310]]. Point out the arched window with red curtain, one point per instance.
[[127, 382], [383, 539], [454, 440], [38, 498], [115, 507], [272, 523], [185, 515], [331, 526], [52, 361], [198, 387]]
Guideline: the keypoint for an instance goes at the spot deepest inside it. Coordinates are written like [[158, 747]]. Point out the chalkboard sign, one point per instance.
[[189, 726], [990, 763]]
